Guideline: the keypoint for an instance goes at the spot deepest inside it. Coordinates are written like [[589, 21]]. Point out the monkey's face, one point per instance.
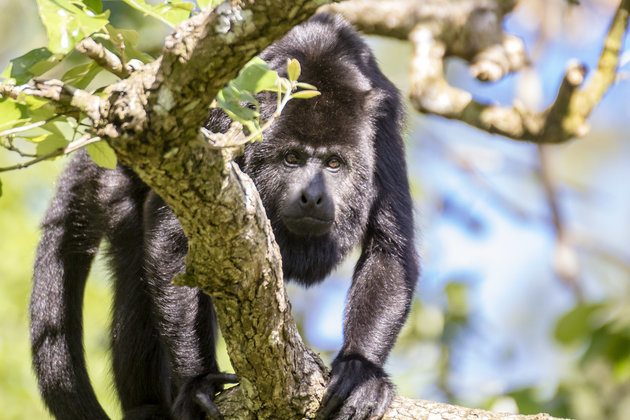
[[314, 172], [308, 207]]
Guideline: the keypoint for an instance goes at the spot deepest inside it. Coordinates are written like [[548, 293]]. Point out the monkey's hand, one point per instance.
[[196, 397], [357, 389]]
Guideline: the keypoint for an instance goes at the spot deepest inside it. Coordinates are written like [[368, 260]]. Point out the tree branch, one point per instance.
[[103, 57], [69, 99], [471, 29]]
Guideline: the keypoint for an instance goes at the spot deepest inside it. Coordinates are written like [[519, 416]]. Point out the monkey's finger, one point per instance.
[[222, 378], [205, 402], [330, 405]]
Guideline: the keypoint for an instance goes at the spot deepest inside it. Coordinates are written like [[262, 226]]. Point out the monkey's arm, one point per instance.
[[379, 298], [377, 306], [185, 316]]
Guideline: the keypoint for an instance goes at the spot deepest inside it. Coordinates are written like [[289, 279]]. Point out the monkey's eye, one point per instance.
[[333, 162], [291, 159]]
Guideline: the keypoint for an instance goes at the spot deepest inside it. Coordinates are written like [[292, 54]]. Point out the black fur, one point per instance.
[[332, 175]]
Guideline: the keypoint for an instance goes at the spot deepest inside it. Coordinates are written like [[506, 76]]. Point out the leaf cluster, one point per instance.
[[37, 128]]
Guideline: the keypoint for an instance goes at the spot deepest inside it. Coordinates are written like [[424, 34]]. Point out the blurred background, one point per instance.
[[523, 304]]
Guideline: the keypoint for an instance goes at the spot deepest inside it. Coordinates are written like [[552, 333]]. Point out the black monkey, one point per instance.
[[331, 174]]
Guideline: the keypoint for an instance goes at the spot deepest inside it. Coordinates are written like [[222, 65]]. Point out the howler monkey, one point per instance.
[[331, 173]]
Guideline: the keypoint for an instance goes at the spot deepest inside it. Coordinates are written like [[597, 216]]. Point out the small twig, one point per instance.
[[103, 57], [12, 148], [23, 128], [565, 260], [121, 45], [71, 147]]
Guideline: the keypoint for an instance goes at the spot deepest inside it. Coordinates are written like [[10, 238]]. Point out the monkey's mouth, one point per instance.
[[307, 225]]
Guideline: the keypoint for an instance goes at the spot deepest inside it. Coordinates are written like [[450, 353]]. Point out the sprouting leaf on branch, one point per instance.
[[306, 94], [238, 101], [293, 69]]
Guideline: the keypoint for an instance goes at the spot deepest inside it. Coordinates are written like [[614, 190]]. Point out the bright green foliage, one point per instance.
[[102, 154], [93, 5], [12, 114], [237, 99], [67, 22], [170, 12], [31, 64], [256, 77], [293, 70], [207, 4], [31, 126]]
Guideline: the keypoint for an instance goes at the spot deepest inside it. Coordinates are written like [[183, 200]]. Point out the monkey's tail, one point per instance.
[[71, 232]]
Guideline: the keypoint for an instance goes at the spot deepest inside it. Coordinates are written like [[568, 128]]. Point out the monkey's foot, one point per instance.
[[357, 389]]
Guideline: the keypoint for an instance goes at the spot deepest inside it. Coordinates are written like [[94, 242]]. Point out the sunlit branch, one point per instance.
[[71, 147]]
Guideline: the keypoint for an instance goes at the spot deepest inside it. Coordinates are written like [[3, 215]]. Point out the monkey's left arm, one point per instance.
[[378, 304], [381, 292]]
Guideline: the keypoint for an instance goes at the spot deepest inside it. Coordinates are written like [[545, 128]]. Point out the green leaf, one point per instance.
[[207, 4], [12, 114], [0, 187], [102, 154], [170, 12], [94, 5], [576, 324], [39, 108], [31, 64], [81, 76], [49, 144], [130, 38], [256, 76], [232, 106], [305, 94], [242, 95], [293, 69], [67, 22], [306, 86]]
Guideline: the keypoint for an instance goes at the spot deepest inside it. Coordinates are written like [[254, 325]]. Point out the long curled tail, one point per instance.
[[71, 232]]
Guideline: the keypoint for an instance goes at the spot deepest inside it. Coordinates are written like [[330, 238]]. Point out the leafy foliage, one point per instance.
[[238, 101], [171, 12], [32, 127]]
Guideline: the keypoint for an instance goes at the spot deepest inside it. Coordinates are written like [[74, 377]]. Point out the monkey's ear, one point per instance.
[[373, 99]]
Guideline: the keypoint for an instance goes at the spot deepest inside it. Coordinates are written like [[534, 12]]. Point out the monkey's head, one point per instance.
[[315, 167]]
